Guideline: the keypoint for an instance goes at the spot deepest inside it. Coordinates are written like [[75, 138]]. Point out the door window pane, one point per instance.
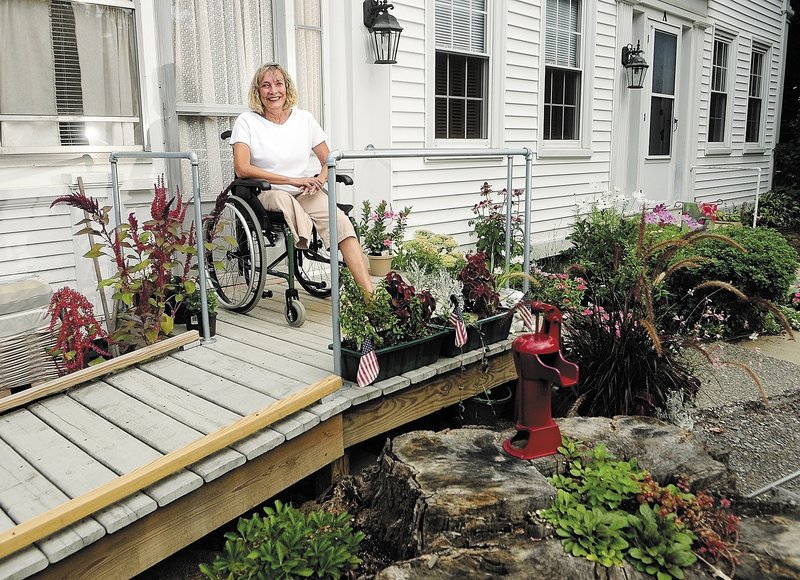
[[660, 125], [664, 54]]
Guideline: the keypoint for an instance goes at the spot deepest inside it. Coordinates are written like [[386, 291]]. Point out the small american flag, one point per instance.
[[527, 317], [368, 366], [457, 320]]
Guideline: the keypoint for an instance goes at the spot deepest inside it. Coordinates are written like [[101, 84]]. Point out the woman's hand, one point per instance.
[[310, 185]]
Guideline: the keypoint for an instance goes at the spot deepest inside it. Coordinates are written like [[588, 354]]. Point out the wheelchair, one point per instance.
[[236, 241]]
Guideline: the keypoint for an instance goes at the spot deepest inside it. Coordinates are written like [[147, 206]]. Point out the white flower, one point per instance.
[[753, 336], [638, 196]]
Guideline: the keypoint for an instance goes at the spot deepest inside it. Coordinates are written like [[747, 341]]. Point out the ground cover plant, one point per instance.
[[286, 543], [610, 511]]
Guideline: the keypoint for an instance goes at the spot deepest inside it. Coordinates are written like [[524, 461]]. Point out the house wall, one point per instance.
[[443, 192], [761, 21]]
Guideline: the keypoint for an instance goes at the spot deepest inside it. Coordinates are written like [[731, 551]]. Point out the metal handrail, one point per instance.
[[198, 216], [372, 153], [729, 168]]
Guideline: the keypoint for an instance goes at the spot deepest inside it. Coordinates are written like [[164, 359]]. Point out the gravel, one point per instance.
[[760, 442]]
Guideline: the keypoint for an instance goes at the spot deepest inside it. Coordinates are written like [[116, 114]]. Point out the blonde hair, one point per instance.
[[253, 97]]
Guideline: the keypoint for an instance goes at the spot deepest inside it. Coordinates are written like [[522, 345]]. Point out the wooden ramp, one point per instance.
[[66, 447]]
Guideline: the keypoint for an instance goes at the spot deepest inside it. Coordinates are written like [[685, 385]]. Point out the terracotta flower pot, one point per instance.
[[379, 265]]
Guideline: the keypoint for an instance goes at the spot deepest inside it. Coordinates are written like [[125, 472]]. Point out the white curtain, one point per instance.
[[218, 45], [27, 85], [308, 76]]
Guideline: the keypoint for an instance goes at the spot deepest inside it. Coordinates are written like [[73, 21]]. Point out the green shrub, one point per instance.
[[778, 208], [765, 271], [288, 544]]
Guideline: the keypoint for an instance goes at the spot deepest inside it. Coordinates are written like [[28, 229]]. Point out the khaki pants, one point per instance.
[[303, 212]]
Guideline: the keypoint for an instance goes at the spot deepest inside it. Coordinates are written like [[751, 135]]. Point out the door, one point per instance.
[[660, 124]]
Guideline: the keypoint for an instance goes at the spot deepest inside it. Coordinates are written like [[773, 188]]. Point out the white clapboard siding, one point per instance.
[[750, 21]]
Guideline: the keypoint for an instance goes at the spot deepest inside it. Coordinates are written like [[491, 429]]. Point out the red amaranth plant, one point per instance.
[[78, 331], [146, 257]]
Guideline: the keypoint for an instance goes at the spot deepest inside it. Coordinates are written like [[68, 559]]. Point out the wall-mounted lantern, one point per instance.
[[384, 30], [635, 66]]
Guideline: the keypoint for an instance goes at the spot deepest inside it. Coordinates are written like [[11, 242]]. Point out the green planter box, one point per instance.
[[484, 332], [398, 359]]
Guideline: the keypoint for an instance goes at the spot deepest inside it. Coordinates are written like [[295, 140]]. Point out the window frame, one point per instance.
[[141, 119], [491, 85], [581, 147], [722, 147], [763, 50]]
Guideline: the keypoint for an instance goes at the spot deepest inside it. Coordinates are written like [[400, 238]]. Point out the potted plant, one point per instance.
[[395, 320], [381, 232], [485, 320], [431, 253], [194, 314], [146, 256]]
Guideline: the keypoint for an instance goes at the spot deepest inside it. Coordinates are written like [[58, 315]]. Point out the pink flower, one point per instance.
[[388, 215], [387, 242]]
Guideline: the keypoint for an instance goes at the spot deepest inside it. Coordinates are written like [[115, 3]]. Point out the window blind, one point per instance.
[[461, 25], [563, 33]]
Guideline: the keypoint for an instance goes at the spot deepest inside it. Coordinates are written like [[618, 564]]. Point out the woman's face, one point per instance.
[[272, 90]]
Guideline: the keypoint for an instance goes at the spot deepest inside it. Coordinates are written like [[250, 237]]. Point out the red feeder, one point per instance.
[[539, 363]]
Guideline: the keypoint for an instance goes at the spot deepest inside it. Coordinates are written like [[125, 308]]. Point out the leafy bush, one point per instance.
[[381, 230], [288, 544], [778, 208], [764, 271], [431, 252], [608, 510], [563, 291]]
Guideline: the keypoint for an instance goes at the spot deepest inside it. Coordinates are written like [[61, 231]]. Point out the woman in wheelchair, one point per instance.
[[273, 141]]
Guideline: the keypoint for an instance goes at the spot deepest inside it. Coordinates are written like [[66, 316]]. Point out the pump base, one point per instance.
[[533, 442]]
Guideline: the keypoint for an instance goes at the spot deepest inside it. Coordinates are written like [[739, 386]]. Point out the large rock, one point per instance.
[[455, 505], [663, 449]]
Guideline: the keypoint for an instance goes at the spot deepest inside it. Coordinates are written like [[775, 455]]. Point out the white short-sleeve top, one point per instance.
[[283, 149]]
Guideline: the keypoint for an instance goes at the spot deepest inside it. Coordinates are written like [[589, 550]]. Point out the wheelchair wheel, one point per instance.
[[295, 313], [236, 262], [313, 269]]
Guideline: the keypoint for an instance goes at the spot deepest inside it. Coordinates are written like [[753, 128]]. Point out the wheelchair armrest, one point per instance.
[[261, 184], [226, 134], [341, 178]]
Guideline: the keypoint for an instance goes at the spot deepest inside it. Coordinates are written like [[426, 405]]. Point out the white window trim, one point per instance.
[[582, 147], [723, 147], [495, 82], [759, 147]]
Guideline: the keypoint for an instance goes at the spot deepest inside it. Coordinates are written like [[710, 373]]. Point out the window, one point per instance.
[[562, 76], [461, 72], [308, 30], [72, 78], [718, 105], [755, 93], [662, 99]]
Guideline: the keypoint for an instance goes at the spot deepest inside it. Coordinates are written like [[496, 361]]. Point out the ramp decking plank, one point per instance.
[[25, 493], [229, 394], [115, 448], [24, 563], [69, 467], [197, 412], [153, 427]]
